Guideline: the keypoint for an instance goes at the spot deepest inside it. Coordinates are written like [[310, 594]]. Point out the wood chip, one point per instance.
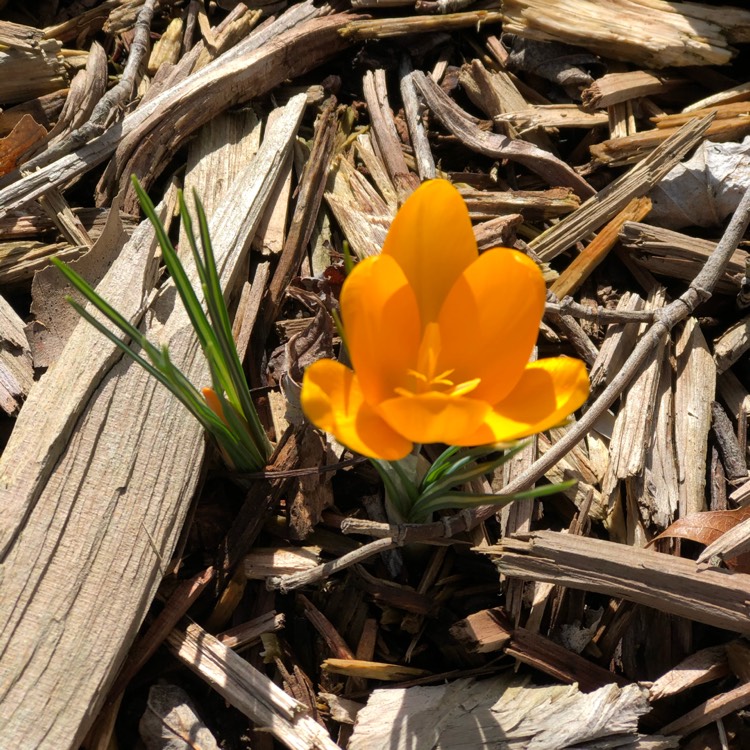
[[668, 584], [248, 690]]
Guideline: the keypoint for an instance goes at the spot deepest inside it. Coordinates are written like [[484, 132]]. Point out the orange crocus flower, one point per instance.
[[440, 338]]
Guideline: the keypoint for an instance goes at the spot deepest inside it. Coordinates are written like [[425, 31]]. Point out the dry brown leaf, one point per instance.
[[26, 133], [706, 528]]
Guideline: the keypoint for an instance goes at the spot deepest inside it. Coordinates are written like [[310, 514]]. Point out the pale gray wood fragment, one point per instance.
[[506, 713], [16, 366]]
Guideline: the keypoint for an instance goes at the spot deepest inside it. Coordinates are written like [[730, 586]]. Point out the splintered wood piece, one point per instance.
[[695, 389], [16, 366], [250, 632], [552, 116], [721, 112], [566, 469], [634, 419], [30, 64], [498, 232], [703, 666], [711, 710], [248, 690], [595, 252], [412, 110], [669, 584], [309, 196], [386, 135], [336, 644], [619, 341], [483, 632], [86, 90], [533, 204], [652, 33], [375, 166], [466, 128], [363, 215], [735, 94], [166, 50], [467, 713], [732, 344], [70, 226], [496, 94], [668, 253], [653, 491], [614, 88], [626, 149], [490, 630], [383, 28], [608, 202], [518, 515], [271, 234], [135, 447], [262, 562]]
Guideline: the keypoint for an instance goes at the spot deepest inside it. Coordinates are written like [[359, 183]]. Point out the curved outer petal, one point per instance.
[[432, 240], [434, 417], [332, 400], [381, 325], [549, 390], [490, 322]]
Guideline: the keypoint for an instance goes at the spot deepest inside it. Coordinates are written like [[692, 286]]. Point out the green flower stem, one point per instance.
[[410, 499]]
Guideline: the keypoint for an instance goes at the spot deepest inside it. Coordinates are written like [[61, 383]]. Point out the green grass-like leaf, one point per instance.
[[242, 439]]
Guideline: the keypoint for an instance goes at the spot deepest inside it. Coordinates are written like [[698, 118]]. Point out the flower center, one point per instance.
[[425, 378]]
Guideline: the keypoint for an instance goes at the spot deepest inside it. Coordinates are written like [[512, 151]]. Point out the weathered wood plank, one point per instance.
[[85, 559]]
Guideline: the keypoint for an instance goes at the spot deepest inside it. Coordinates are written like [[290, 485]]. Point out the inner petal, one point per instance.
[[381, 325], [432, 240], [490, 321], [434, 417]]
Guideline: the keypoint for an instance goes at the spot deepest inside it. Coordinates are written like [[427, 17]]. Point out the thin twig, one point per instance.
[[307, 577], [568, 306]]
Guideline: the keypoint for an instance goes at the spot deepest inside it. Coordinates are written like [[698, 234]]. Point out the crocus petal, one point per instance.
[[434, 417], [332, 400], [381, 325], [549, 390], [490, 321], [432, 240]]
